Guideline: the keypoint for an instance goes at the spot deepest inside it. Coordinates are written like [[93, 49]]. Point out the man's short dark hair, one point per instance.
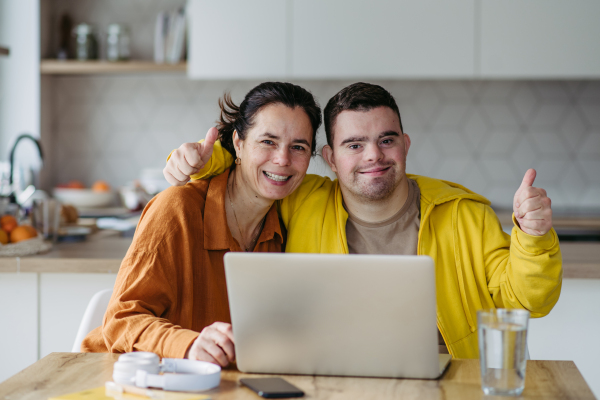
[[359, 96]]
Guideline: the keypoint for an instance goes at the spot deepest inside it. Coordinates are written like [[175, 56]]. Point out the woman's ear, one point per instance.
[[237, 144]]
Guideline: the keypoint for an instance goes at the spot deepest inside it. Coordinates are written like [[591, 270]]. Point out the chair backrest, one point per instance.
[[92, 318]]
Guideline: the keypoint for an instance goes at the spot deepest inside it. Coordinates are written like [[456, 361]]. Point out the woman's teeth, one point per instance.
[[278, 178]]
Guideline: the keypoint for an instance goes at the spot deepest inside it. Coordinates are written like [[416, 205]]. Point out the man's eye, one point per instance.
[[298, 148], [268, 142], [387, 141], [354, 146]]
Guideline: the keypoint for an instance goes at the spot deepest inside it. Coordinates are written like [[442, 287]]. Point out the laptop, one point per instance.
[[341, 315]]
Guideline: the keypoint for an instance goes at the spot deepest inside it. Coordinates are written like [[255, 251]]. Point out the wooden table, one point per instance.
[[62, 373]]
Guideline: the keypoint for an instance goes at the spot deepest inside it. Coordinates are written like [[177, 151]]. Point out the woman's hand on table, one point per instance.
[[214, 344], [189, 158]]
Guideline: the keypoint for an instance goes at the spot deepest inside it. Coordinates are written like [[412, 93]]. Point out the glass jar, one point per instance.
[[86, 46], [117, 43]]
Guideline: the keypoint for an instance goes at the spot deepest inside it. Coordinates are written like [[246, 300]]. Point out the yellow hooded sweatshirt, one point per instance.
[[478, 266]]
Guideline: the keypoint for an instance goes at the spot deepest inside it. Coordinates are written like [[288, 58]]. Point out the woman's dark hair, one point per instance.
[[241, 118], [359, 96]]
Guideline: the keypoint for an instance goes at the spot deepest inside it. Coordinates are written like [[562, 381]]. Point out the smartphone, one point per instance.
[[272, 388]]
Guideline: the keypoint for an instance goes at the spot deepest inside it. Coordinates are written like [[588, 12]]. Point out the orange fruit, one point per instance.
[[75, 185], [100, 186], [3, 237], [31, 229], [22, 233], [8, 223]]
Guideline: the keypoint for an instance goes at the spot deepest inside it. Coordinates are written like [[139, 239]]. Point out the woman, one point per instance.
[[171, 284]]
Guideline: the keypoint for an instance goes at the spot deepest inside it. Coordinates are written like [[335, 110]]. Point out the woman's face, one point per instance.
[[276, 152]]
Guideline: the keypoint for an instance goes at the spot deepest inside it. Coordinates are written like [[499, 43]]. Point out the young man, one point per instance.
[[374, 207]]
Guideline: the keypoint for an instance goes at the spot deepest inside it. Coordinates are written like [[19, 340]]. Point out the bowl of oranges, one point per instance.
[[19, 240], [75, 193], [12, 232]]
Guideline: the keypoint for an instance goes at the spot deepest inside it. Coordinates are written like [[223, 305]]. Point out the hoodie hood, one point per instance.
[[437, 191]]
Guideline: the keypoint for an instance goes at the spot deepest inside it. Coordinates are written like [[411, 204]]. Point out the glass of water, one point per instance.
[[502, 350]]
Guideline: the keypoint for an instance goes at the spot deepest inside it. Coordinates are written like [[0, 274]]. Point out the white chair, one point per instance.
[[92, 318]]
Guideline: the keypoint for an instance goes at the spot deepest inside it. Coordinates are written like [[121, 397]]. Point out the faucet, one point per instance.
[[12, 197]]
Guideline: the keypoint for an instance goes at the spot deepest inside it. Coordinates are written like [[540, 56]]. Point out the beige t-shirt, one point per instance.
[[396, 235]]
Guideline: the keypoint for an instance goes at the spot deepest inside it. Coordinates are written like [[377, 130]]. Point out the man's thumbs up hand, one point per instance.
[[532, 208]]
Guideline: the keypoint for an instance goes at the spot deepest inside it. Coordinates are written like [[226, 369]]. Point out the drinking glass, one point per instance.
[[502, 350], [45, 217]]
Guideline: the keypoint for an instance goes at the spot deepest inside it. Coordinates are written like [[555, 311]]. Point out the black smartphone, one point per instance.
[[272, 388]]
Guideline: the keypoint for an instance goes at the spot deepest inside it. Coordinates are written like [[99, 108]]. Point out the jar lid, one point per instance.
[[84, 29], [116, 29]]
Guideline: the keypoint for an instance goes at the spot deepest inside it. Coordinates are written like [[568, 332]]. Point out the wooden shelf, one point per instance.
[[74, 67], [4, 51]]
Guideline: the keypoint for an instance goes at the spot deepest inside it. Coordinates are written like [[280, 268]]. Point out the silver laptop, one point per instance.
[[345, 315]]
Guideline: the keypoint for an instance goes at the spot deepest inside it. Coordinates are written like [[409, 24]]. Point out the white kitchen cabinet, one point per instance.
[[383, 39], [63, 300], [237, 39], [540, 39], [18, 322]]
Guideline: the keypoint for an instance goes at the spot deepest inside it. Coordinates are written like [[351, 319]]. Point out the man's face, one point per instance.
[[369, 153]]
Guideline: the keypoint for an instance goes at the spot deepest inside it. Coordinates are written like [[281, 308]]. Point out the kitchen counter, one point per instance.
[[103, 251]]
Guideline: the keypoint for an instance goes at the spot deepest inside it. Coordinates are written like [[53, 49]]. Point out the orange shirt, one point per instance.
[[171, 283]]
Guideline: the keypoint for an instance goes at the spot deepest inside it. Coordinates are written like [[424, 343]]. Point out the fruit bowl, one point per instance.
[[85, 198]]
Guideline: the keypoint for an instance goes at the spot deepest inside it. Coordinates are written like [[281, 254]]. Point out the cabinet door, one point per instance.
[[63, 300], [236, 39], [540, 38], [382, 38], [18, 323]]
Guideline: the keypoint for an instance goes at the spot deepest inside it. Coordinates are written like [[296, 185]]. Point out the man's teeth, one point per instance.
[[278, 178]]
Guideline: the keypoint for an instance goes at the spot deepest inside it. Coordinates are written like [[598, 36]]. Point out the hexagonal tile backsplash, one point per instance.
[[483, 135]]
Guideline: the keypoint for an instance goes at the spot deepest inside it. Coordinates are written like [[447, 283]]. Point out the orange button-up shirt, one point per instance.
[[171, 283]]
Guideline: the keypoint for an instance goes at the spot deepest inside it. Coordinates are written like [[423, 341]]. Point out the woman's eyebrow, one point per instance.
[[272, 136]]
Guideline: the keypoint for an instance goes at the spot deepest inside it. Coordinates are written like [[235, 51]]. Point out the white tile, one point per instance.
[[454, 168], [572, 184], [476, 128], [454, 91], [450, 114], [501, 115], [551, 91], [548, 115], [427, 104], [501, 142], [591, 169], [591, 111], [590, 145], [499, 170], [450, 143], [547, 142], [574, 128], [497, 92], [523, 102]]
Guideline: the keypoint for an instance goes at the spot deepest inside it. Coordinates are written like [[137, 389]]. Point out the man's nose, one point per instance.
[[282, 157], [373, 153]]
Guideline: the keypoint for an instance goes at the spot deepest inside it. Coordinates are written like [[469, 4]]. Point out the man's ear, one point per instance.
[[328, 156], [406, 143], [237, 144]]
